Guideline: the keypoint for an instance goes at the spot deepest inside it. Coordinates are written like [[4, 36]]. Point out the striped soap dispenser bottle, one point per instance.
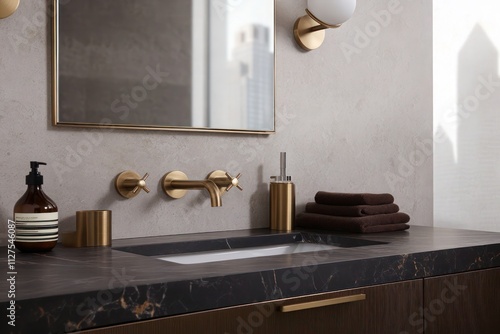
[[36, 216]]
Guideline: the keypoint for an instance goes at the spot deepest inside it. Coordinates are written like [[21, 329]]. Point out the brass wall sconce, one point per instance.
[[8, 7], [309, 30]]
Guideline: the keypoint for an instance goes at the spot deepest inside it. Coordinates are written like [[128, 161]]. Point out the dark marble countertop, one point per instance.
[[71, 289]]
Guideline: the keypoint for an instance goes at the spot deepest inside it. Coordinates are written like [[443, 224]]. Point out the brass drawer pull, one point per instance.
[[321, 303]]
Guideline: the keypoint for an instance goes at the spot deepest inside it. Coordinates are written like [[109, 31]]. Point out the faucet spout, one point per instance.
[[176, 184], [210, 186]]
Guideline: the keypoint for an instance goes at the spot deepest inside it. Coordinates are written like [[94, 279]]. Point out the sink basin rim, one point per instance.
[[246, 253], [240, 243]]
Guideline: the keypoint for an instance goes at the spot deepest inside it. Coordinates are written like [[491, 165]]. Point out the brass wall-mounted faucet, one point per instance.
[[176, 184]]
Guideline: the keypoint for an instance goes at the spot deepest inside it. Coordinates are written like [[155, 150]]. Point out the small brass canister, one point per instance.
[[93, 228], [282, 205]]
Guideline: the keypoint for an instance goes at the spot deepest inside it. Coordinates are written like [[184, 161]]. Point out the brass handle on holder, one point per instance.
[[128, 183], [321, 303]]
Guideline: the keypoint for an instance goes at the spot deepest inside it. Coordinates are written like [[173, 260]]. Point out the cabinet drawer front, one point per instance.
[[376, 309], [463, 303]]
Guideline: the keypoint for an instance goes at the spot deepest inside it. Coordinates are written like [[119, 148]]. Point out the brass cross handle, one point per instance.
[[234, 181], [141, 184], [224, 180], [128, 183]]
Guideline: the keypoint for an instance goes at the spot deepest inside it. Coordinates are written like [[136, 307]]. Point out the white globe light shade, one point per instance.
[[332, 12]]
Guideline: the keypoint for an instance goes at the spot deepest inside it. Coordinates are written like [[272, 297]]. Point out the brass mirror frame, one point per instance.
[[55, 94]]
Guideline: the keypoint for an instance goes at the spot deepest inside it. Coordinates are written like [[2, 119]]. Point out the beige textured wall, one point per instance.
[[350, 115]]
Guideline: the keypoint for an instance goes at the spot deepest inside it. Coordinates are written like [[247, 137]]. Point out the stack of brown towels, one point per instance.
[[359, 213]]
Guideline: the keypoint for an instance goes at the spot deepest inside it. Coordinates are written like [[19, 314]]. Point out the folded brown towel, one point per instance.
[[351, 210], [385, 228], [367, 224], [329, 198]]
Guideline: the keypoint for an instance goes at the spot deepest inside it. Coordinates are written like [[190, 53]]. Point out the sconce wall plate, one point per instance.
[[309, 30], [307, 39], [8, 7]]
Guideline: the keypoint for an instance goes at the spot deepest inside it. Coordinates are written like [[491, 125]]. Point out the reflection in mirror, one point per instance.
[[194, 65]]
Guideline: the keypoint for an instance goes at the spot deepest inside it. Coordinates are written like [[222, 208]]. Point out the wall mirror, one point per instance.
[[192, 65]]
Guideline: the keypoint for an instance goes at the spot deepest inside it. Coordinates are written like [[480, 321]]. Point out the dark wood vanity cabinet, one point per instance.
[[463, 303], [377, 309], [459, 303]]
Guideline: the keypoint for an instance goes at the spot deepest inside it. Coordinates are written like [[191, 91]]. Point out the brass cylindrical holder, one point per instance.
[[282, 205], [93, 227]]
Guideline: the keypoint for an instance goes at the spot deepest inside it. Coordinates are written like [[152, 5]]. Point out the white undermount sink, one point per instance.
[[245, 253], [208, 250]]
